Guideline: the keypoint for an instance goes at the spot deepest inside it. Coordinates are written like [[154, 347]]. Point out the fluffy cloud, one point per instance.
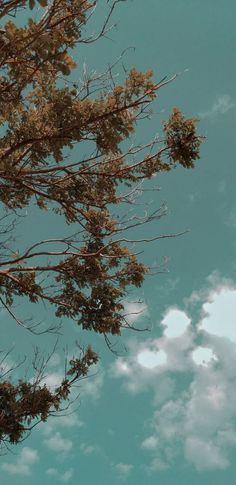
[[197, 419], [24, 462], [7, 365], [175, 322], [149, 361], [89, 449], [64, 421], [92, 385], [57, 443], [65, 477], [123, 469], [134, 311], [204, 455], [150, 443], [52, 380], [203, 356], [221, 106], [219, 313]]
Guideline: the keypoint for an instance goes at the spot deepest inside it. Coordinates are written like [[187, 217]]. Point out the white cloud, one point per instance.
[[92, 385], [123, 469], [88, 449], [6, 365], [219, 313], [134, 311], [150, 443], [24, 462], [121, 367], [65, 477], [203, 356], [148, 362], [52, 380], [52, 472], [221, 106], [197, 420], [69, 421], [151, 359], [178, 351], [65, 421], [139, 369], [204, 455], [57, 443], [175, 322], [196, 425]]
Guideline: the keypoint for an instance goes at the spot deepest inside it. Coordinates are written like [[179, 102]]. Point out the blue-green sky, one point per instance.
[[164, 412]]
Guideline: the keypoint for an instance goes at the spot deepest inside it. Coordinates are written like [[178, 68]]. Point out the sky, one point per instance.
[[164, 410]]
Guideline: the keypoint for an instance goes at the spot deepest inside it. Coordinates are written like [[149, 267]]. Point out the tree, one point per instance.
[[44, 116]]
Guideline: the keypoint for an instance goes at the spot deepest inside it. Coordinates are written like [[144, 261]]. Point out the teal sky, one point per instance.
[[165, 411]]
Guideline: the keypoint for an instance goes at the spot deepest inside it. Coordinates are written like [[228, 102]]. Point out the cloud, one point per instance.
[[65, 477], [57, 443], [203, 356], [52, 380], [198, 422], [149, 361], [7, 365], [91, 386], [221, 106], [64, 421], [150, 443], [175, 322], [194, 421], [123, 469], [204, 455], [89, 449], [24, 462], [151, 358], [134, 311], [219, 313]]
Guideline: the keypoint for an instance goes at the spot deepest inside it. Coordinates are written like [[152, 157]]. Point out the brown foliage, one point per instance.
[[43, 117]]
